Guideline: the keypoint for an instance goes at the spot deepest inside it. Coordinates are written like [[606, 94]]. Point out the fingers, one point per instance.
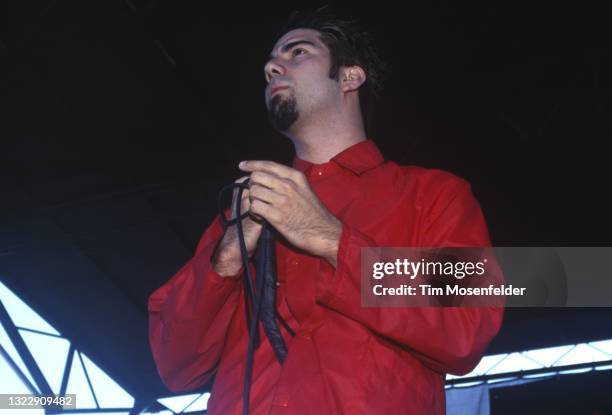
[[272, 168], [261, 200], [264, 210], [273, 189], [244, 203], [265, 194], [270, 188]]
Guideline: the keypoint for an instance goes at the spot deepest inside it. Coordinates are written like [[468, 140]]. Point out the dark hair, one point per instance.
[[348, 45]]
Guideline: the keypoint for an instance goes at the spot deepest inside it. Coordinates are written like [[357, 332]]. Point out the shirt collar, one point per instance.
[[358, 158]]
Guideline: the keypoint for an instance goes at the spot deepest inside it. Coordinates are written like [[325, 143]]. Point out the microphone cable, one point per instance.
[[260, 300]]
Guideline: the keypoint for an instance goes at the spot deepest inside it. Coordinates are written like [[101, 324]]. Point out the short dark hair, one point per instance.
[[348, 45]]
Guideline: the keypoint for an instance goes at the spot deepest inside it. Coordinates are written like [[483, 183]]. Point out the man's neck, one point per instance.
[[320, 142]]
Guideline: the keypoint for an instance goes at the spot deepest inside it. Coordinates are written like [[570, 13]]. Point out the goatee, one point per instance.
[[282, 112]]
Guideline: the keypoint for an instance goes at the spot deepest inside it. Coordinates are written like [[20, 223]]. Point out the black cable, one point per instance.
[[262, 297], [266, 274]]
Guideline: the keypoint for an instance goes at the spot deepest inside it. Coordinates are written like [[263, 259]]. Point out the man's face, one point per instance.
[[298, 78]]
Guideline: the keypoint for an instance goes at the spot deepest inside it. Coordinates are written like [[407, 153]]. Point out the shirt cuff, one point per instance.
[[335, 282], [216, 280]]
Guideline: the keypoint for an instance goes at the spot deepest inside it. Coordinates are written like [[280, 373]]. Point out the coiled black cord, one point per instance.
[[262, 297]]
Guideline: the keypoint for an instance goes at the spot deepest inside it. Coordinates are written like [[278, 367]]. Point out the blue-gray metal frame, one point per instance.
[[24, 352], [553, 370], [13, 333]]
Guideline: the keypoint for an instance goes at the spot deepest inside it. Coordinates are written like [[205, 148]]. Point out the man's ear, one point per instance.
[[351, 78]]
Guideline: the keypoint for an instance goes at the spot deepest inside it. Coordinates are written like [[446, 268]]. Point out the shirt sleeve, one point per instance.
[[447, 339], [189, 317]]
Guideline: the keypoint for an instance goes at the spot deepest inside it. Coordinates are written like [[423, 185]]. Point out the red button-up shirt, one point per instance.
[[345, 358]]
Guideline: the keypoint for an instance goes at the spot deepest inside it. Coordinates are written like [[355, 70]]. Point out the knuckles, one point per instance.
[[285, 186], [282, 200], [300, 177], [254, 191], [255, 176]]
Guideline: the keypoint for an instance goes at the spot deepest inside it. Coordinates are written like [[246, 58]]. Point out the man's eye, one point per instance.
[[298, 51]]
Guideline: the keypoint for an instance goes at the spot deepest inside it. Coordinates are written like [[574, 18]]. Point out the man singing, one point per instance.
[[338, 197]]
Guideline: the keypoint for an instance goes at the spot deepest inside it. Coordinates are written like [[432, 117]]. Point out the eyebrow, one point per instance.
[[293, 44]]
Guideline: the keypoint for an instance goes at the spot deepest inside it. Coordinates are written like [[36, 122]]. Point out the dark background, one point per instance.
[[121, 120]]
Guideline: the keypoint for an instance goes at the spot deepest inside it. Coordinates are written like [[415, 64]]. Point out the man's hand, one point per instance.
[[283, 197], [227, 259]]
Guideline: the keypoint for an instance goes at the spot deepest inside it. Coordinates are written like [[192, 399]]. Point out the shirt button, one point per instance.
[[277, 284], [320, 173], [281, 399]]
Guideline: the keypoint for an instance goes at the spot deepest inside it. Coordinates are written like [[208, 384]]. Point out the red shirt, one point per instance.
[[344, 359]]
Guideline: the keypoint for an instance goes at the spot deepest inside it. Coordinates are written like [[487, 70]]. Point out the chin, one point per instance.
[[282, 113]]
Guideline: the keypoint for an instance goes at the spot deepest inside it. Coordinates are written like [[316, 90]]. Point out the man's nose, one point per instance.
[[273, 69]]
